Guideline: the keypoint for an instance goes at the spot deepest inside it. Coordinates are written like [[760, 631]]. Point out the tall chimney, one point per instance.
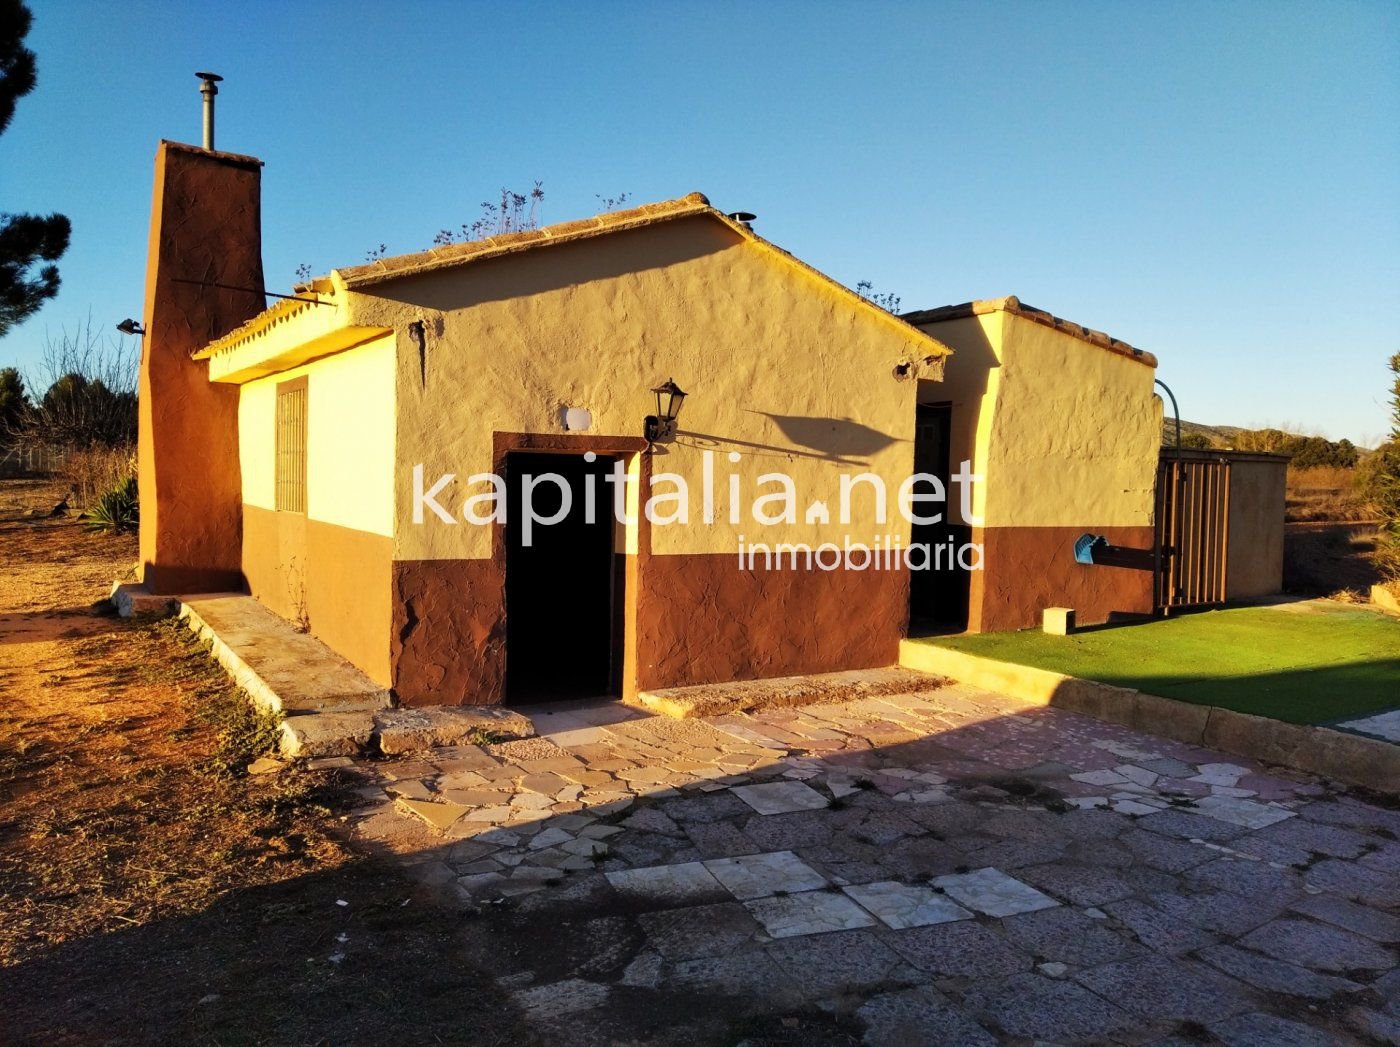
[[206, 227], [208, 89]]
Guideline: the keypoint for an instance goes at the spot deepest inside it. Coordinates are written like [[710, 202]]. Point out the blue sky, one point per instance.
[[1217, 183]]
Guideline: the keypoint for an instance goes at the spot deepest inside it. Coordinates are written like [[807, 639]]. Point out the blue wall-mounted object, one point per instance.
[[1086, 545]]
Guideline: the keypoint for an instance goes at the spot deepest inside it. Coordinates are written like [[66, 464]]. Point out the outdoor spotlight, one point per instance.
[[662, 424], [130, 326]]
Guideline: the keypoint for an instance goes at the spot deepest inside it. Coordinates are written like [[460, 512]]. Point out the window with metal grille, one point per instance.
[[291, 446]]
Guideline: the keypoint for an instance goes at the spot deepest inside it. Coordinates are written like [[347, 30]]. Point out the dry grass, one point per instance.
[[1325, 493], [150, 891], [93, 472], [140, 814]]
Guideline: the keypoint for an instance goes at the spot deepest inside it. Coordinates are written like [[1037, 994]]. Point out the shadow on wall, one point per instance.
[[966, 376], [837, 440]]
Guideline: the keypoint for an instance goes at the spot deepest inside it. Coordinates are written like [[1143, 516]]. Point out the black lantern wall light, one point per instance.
[[662, 425]]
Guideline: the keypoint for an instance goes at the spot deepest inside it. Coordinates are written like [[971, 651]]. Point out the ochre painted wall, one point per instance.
[[205, 225], [780, 368], [1065, 435], [970, 381], [330, 568], [1074, 435]]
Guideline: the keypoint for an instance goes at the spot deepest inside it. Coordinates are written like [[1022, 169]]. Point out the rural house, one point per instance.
[[295, 452]]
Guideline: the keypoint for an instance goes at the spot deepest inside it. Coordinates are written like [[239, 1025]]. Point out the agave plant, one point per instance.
[[117, 511]]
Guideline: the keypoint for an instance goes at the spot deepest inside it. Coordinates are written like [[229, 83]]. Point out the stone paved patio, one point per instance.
[[944, 867]]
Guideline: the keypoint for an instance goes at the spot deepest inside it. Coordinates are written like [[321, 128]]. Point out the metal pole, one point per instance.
[[208, 89]]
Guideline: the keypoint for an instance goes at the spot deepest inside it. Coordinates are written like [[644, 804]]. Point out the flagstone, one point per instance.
[[475, 797], [549, 838], [1161, 987], [1098, 778], [780, 797], [899, 905], [438, 815], [992, 892], [808, 912], [685, 882], [1319, 946], [1272, 975], [1248, 813], [1033, 1007], [761, 875]]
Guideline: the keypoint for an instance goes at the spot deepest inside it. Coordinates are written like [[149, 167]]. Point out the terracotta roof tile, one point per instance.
[[1012, 304], [473, 250], [452, 255]]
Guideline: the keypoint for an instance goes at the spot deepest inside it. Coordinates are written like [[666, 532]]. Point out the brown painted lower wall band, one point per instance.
[[448, 638], [702, 619], [335, 579], [1027, 569], [697, 619]]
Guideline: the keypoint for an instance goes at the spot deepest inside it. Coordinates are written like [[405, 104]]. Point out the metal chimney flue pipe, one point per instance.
[[209, 88]]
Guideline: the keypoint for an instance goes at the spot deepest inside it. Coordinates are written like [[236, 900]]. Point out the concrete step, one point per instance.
[[786, 691], [328, 705]]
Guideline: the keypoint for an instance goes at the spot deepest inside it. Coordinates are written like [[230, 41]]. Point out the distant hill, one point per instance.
[[1305, 452], [1218, 435]]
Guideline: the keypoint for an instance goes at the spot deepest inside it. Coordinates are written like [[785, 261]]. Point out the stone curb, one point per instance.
[[406, 730], [321, 734], [784, 692], [1349, 758]]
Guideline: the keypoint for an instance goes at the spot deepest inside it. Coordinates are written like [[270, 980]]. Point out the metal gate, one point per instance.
[[1193, 518]]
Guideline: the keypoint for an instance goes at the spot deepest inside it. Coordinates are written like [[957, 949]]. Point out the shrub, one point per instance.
[[116, 512], [94, 470]]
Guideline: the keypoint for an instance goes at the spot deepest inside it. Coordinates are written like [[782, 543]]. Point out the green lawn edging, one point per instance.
[[1349, 758]]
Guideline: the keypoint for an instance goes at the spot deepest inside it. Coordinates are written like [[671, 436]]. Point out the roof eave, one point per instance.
[[1013, 305]]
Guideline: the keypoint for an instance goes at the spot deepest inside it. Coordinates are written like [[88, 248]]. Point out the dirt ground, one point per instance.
[[151, 891]]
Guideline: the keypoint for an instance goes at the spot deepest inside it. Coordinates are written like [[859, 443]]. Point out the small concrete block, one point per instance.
[[992, 892], [1057, 621], [265, 765], [136, 601], [811, 912]]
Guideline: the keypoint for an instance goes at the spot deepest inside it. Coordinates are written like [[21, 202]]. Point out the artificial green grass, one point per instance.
[[1300, 663]]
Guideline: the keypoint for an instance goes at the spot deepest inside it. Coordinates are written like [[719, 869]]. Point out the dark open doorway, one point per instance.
[[938, 596], [561, 640]]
